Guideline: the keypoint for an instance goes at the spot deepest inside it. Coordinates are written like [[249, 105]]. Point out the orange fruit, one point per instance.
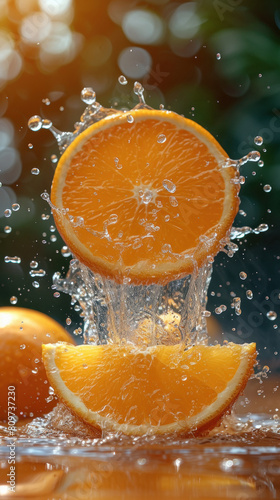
[[157, 390], [22, 333], [144, 196]]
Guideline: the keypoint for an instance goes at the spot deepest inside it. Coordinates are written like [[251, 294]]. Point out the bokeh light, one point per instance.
[[185, 22], [135, 62], [142, 27]]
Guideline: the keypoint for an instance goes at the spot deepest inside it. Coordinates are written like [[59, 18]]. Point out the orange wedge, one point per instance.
[[158, 390], [144, 196]]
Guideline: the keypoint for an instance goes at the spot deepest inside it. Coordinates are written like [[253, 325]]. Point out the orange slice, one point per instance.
[[144, 195], [162, 389]]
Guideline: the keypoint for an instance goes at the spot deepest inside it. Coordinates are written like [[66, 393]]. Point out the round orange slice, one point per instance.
[[144, 196], [158, 390]]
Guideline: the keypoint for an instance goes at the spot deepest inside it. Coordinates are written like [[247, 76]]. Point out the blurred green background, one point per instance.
[[217, 62]]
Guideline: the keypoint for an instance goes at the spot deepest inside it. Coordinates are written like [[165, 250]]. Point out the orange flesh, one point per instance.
[[109, 173], [155, 387]]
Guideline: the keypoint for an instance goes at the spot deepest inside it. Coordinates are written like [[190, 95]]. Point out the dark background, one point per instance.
[[53, 48]]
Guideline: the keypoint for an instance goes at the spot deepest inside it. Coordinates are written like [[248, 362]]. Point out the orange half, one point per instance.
[[161, 389], [144, 196]]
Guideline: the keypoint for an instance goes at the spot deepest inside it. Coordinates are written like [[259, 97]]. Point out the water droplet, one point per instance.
[[166, 248], [30, 146], [249, 294], [68, 321], [78, 331], [7, 212], [130, 118], [206, 314], [45, 196], [261, 163], [7, 229], [258, 140], [53, 238], [88, 95], [13, 300], [242, 275], [56, 295], [45, 217], [12, 260], [40, 273], [169, 186], [271, 315], [220, 309], [262, 228], [35, 123], [35, 171], [33, 264], [167, 218], [146, 196], [267, 188], [46, 123], [65, 251], [22, 346], [122, 80], [46, 101], [173, 201], [161, 139], [113, 219], [15, 207], [53, 158], [35, 284], [254, 156], [218, 56], [161, 106]]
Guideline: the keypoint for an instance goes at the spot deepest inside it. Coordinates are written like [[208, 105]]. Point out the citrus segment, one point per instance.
[[22, 333], [161, 389], [144, 195]]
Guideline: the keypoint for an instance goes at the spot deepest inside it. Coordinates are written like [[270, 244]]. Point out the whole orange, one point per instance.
[[24, 388]]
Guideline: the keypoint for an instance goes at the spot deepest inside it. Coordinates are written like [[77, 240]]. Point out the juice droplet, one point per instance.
[[35, 171], [7, 229], [35, 123], [122, 80], [271, 315], [242, 275], [161, 139], [13, 300], [88, 95], [258, 140], [267, 188], [15, 207], [169, 186], [249, 294]]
